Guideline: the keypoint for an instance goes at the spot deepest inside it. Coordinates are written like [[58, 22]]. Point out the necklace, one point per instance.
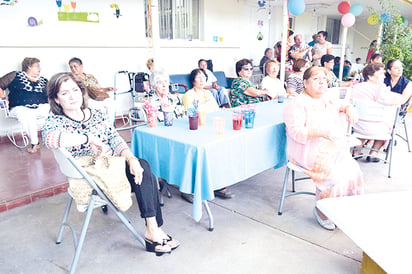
[[78, 121], [31, 78]]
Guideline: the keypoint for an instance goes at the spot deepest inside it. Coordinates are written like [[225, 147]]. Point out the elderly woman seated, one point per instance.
[[242, 91], [374, 90], [27, 97], [166, 101], [270, 82], [316, 141]]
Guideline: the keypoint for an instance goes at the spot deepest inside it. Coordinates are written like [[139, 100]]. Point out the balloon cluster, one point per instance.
[[349, 12], [296, 7]]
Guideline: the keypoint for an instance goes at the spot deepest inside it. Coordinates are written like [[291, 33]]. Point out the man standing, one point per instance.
[[211, 84], [300, 50]]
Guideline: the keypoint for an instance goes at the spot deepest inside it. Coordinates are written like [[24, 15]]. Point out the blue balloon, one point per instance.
[[296, 7], [385, 18], [356, 9]]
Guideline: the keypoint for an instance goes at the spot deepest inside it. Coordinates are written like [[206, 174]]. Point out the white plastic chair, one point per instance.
[[294, 168], [11, 127], [375, 112], [72, 169]]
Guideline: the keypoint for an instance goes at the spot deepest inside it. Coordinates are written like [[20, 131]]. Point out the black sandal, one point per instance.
[[151, 247], [166, 242]]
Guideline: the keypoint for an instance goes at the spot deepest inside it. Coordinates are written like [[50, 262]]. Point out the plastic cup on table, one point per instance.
[[281, 98], [152, 119], [219, 125], [193, 121], [202, 118], [242, 109], [237, 119], [168, 118], [249, 118]]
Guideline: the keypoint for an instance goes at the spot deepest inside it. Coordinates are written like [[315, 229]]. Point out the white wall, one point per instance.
[[120, 44]]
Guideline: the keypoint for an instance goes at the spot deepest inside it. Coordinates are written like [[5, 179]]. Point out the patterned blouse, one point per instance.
[[23, 91], [295, 83], [90, 80], [237, 93], [175, 104], [96, 125]]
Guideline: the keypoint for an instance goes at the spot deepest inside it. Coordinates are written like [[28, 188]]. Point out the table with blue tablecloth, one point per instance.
[[199, 162]]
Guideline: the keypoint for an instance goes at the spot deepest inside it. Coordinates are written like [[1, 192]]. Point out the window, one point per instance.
[[333, 29], [178, 19]]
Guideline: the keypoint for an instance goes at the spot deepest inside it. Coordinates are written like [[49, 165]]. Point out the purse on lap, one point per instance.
[[109, 174]]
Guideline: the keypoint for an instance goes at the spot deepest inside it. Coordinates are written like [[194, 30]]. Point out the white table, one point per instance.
[[380, 224]]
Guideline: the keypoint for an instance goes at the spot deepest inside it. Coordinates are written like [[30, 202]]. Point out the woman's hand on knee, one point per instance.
[[136, 170]]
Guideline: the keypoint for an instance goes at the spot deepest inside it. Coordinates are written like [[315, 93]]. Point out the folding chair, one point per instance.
[[11, 126], [403, 111], [375, 112], [294, 168], [72, 169]]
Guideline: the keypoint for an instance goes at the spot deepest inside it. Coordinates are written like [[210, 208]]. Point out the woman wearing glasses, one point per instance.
[[242, 91]]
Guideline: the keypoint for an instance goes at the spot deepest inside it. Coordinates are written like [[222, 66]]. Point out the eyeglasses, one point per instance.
[[247, 68]]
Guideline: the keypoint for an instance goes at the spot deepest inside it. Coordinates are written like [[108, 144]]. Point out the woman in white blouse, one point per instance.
[[270, 81]]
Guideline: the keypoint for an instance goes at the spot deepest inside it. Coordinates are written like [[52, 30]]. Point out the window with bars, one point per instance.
[[178, 19]]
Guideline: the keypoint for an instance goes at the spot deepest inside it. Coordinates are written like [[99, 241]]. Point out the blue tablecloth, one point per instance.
[[199, 162]]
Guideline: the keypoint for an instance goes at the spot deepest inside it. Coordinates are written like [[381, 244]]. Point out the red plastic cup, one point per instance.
[[237, 119]]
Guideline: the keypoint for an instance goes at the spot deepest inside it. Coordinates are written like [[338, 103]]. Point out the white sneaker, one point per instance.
[[326, 224]]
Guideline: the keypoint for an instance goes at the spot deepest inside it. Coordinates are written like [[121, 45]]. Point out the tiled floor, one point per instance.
[[27, 177]]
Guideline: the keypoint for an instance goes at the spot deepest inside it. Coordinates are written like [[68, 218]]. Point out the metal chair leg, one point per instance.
[[406, 135], [64, 221], [282, 197]]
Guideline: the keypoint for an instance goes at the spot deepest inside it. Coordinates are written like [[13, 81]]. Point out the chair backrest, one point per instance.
[[221, 79], [182, 81], [343, 93], [67, 163], [375, 112]]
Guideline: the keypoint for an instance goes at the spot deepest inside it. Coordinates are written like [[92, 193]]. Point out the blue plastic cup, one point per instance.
[[249, 118]]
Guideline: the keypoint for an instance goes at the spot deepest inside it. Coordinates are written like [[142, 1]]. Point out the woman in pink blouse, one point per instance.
[[374, 90], [316, 141]]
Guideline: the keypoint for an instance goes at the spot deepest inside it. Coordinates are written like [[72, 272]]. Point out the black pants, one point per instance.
[[146, 193]]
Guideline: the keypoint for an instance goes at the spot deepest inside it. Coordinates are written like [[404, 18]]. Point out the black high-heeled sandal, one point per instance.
[[151, 247], [169, 239]]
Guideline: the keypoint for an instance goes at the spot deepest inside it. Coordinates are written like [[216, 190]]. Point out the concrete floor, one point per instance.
[[249, 236]]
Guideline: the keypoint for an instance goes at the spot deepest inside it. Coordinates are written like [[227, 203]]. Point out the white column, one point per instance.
[[285, 34], [342, 54]]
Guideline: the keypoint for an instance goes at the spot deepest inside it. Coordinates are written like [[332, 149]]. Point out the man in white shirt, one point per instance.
[[211, 84]]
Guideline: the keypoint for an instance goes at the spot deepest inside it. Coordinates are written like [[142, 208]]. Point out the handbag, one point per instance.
[[97, 94], [108, 172]]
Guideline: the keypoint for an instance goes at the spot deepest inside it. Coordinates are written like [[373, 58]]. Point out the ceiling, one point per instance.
[[330, 7]]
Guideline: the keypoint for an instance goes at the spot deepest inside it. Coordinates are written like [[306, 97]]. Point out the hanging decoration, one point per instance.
[[344, 7], [296, 7], [356, 9], [385, 18], [8, 2], [33, 22], [116, 7], [373, 19], [348, 20], [260, 35], [261, 4], [70, 13]]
